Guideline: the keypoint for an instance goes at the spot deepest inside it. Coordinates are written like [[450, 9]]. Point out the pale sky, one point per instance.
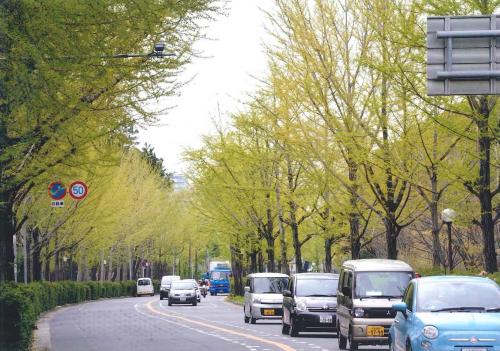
[[222, 78]]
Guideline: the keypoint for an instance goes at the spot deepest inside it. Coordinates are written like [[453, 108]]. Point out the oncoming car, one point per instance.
[[182, 292], [145, 287], [166, 281], [448, 313], [264, 296]]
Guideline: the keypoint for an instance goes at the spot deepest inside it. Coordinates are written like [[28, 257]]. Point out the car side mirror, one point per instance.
[[346, 291], [287, 293], [247, 289], [400, 307]]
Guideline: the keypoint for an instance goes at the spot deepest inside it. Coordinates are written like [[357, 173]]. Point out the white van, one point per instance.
[[145, 287]]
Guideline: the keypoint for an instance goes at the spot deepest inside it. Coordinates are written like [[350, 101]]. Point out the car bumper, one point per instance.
[[220, 289], [360, 327], [145, 292], [312, 321], [173, 299], [266, 311], [444, 343]]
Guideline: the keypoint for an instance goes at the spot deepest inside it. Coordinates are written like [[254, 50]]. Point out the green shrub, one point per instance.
[[21, 304]]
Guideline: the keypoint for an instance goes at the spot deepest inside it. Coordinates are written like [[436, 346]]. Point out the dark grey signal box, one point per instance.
[[462, 55]]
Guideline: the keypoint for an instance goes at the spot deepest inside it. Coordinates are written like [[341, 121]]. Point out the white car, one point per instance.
[[145, 287], [182, 292], [196, 286]]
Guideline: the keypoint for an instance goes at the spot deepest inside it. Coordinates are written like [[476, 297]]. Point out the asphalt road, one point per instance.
[[146, 323]]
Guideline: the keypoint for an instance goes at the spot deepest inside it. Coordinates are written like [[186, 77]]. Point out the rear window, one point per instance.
[[144, 282]]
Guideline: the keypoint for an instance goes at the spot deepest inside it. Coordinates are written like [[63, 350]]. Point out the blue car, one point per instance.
[[448, 313]]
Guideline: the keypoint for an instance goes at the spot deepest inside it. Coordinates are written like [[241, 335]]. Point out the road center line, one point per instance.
[[281, 346]]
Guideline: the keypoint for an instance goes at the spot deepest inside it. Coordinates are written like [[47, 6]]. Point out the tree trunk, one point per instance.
[[7, 229], [437, 252], [253, 261], [297, 247], [355, 237], [237, 269], [271, 265], [283, 257], [391, 234], [328, 255], [260, 261], [484, 183], [35, 256]]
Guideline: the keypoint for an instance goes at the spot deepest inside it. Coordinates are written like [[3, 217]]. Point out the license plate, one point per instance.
[[269, 312], [182, 299], [474, 349], [375, 331], [326, 319]]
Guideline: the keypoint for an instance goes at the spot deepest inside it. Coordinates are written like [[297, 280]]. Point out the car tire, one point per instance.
[[293, 330], [169, 302], [342, 339], [195, 303], [253, 320]]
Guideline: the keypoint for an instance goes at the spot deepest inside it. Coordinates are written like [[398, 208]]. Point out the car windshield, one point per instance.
[[269, 285], [316, 287], [220, 275], [182, 286], [463, 296], [381, 284], [144, 282]]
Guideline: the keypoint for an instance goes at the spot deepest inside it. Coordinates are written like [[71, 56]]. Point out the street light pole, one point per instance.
[[448, 215]]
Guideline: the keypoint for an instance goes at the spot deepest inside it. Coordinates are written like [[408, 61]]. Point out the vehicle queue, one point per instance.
[[372, 302]]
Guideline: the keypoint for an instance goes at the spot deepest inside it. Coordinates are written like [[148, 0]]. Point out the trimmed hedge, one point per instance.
[[21, 304]]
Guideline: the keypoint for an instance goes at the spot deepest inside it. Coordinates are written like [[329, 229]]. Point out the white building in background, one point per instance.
[[180, 181]]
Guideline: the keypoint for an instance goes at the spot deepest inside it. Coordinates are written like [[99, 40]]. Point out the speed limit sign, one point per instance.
[[78, 190]]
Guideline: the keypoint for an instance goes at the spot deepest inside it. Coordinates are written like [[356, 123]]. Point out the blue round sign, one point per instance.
[[57, 190]]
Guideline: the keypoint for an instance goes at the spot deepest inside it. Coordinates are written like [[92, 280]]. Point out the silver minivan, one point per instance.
[[264, 296], [366, 292]]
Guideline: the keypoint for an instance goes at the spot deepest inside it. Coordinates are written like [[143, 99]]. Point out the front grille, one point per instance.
[[321, 309], [379, 313]]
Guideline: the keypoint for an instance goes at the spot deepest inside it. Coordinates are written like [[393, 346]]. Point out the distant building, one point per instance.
[[180, 181]]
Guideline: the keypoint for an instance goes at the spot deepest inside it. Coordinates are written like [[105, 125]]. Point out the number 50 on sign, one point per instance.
[[78, 190]]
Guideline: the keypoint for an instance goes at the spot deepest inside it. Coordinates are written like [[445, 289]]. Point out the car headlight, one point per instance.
[[359, 312], [301, 306], [257, 300], [430, 332]]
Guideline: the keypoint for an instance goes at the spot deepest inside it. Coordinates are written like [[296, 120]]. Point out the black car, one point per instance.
[[310, 303]]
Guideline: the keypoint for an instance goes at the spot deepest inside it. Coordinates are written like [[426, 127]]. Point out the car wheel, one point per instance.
[[353, 346], [195, 303], [169, 302], [253, 320], [153, 294], [293, 330]]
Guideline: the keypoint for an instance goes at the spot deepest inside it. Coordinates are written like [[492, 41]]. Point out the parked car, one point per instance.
[[309, 303], [165, 283], [182, 292], [366, 292], [145, 287], [264, 296], [448, 313], [196, 287]]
